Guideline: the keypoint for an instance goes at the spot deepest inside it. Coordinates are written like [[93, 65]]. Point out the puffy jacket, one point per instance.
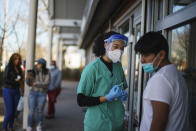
[[38, 80]]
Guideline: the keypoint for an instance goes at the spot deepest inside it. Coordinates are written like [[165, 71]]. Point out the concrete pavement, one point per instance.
[[69, 116]]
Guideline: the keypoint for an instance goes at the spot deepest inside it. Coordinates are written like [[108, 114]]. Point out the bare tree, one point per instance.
[[4, 31], [8, 29], [11, 28]]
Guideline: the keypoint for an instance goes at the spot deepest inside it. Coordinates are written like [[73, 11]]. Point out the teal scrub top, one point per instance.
[[97, 80]]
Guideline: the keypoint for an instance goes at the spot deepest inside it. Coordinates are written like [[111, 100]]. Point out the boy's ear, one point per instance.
[[162, 54]]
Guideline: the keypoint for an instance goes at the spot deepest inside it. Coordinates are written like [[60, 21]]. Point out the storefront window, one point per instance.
[[179, 46], [137, 62], [183, 48], [160, 9], [124, 61], [176, 5], [136, 83], [125, 58]]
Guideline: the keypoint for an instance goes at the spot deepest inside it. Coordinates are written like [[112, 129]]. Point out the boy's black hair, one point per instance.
[[152, 42], [98, 48]]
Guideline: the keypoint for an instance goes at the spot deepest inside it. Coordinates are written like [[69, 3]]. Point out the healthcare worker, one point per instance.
[[102, 84], [165, 98]]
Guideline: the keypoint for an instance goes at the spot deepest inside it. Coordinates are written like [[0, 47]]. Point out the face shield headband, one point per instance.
[[116, 37]]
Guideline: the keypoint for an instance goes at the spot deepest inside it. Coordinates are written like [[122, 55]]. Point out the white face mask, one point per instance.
[[114, 55]]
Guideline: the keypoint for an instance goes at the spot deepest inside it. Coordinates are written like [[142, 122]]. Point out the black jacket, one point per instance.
[[10, 76]]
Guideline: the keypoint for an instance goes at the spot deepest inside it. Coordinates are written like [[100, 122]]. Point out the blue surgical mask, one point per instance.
[[149, 68], [52, 67]]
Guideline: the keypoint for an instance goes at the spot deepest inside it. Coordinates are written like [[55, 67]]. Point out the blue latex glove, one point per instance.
[[123, 96], [115, 92]]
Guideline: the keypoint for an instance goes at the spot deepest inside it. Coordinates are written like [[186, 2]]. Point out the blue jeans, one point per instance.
[[11, 98], [37, 102]]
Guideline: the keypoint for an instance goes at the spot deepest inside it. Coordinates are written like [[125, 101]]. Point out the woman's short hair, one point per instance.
[[98, 47]]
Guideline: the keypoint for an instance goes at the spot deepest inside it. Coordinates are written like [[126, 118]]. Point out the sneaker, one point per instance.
[[29, 129], [39, 127], [50, 117]]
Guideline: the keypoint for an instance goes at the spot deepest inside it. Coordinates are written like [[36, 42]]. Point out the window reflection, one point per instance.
[[160, 9], [124, 61], [183, 48], [125, 58], [136, 82], [176, 5], [137, 60], [180, 42]]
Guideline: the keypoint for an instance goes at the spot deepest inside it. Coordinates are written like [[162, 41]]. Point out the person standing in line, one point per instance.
[[53, 89], [11, 92], [165, 98], [38, 79], [102, 84]]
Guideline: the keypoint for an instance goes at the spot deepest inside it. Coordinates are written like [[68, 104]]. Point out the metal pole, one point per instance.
[[50, 46], [30, 52]]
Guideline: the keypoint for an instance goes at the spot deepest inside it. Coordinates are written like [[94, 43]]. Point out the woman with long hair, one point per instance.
[[11, 92], [38, 79]]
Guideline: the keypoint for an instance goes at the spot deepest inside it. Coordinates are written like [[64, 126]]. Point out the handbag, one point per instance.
[[20, 104]]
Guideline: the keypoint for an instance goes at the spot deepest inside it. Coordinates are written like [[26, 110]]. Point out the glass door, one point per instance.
[[182, 54], [136, 75], [124, 29], [136, 82]]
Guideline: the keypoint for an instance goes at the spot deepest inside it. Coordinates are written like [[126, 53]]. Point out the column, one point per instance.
[[30, 52], [50, 46]]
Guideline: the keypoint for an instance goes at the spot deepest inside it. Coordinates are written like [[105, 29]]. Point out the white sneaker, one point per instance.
[[29, 129], [39, 127]]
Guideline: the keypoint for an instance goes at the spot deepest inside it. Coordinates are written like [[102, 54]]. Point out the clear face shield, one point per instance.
[[115, 54]]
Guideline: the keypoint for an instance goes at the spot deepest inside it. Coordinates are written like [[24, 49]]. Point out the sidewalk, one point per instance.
[[69, 116]]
